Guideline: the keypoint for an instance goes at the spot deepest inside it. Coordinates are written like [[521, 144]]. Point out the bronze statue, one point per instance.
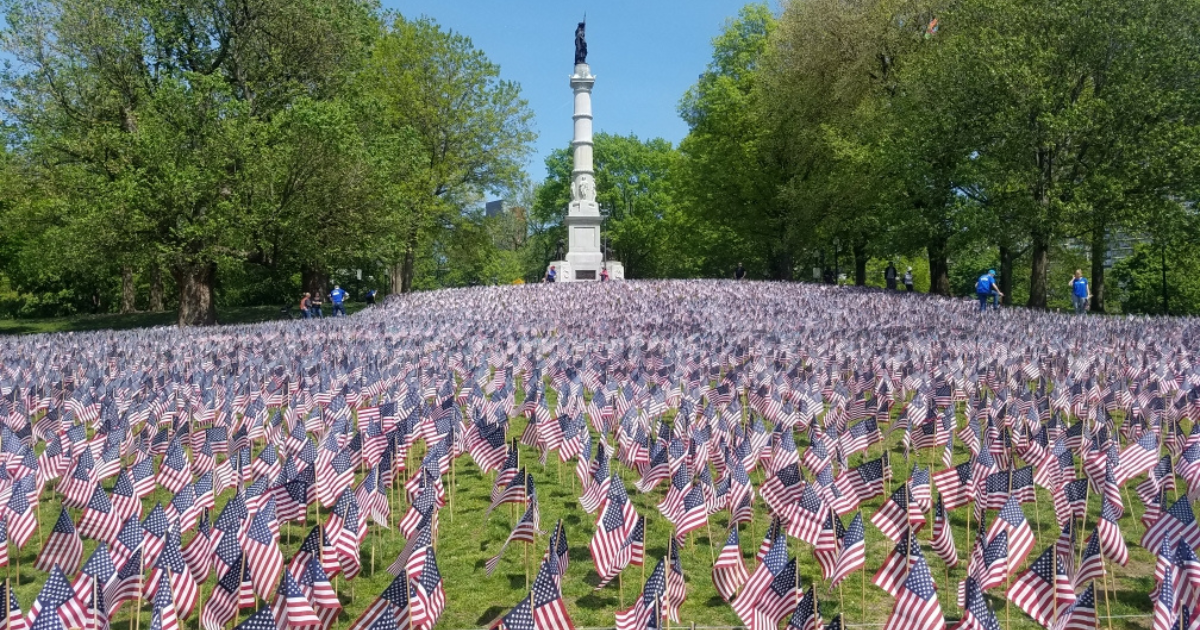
[[560, 251], [581, 43]]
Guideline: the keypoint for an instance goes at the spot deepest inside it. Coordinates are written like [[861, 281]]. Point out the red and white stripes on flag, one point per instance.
[[729, 572]]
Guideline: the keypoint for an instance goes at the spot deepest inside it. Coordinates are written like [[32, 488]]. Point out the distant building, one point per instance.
[[494, 208]]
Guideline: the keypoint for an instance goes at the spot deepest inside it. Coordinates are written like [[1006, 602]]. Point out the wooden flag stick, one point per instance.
[[711, 553]]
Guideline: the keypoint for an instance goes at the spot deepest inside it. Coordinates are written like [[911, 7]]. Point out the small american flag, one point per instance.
[[291, 608], [729, 572], [1043, 589], [63, 547], [917, 605]]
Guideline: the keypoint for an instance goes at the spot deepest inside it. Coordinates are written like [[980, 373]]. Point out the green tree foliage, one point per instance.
[[471, 131], [728, 187]]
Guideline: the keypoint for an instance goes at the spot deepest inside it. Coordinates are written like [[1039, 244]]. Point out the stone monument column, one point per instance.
[[584, 259]]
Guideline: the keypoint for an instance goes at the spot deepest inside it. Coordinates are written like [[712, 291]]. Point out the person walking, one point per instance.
[[604, 273], [908, 280], [306, 306], [986, 287], [551, 274], [890, 275], [370, 299], [1081, 292], [739, 273], [338, 297], [318, 303]]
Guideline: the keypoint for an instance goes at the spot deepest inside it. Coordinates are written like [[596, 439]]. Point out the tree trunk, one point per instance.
[[128, 291], [156, 289], [860, 264], [313, 280], [196, 282], [939, 268], [1099, 250], [1037, 272], [396, 279], [408, 267], [1006, 274]]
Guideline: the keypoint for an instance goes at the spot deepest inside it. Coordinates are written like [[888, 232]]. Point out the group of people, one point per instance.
[[552, 274], [890, 276], [987, 288], [312, 306]]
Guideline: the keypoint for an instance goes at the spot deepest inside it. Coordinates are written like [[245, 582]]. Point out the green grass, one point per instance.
[[112, 321], [466, 539]]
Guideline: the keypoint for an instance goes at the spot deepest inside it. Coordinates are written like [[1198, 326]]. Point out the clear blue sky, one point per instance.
[[645, 55]]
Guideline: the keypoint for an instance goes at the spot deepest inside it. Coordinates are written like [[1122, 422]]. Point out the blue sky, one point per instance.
[[645, 54]]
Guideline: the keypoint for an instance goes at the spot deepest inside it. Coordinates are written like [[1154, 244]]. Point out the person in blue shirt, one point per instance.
[[551, 275], [986, 287], [338, 297], [1081, 292]]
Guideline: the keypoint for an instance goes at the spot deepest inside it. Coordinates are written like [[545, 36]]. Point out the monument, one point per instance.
[[584, 259]]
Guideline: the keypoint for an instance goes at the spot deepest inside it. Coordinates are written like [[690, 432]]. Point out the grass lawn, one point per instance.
[[78, 323], [466, 539]]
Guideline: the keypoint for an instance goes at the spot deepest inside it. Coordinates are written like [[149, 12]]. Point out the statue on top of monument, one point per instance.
[[581, 43]]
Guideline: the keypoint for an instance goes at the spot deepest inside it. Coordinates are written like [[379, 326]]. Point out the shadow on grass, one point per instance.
[[489, 615], [593, 601]]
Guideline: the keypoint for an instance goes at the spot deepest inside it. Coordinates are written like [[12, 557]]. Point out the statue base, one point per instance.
[[584, 270]]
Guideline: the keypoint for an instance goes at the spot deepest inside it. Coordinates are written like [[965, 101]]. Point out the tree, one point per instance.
[[727, 185], [1073, 110], [142, 110], [471, 129]]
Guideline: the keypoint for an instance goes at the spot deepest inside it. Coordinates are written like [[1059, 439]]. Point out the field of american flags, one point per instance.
[[463, 542]]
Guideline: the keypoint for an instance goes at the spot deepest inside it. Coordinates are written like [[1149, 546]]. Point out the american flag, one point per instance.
[[99, 520], [977, 615], [988, 564], [805, 615], [1178, 521], [126, 585], [942, 542], [11, 615], [806, 516], [614, 525], [63, 547], [222, 604], [917, 605], [1166, 608], [314, 581], [154, 534], [1112, 542], [1043, 589], [263, 556], [729, 572], [778, 599], [1137, 458], [1011, 520], [175, 471], [171, 565], [291, 608], [57, 595], [393, 605], [96, 572], [647, 609], [829, 544], [1081, 615], [693, 512], [21, 519], [773, 564], [558, 552], [955, 485], [898, 515], [890, 576], [526, 531], [262, 619], [1091, 564], [549, 609], [429, 596], [853, 553]]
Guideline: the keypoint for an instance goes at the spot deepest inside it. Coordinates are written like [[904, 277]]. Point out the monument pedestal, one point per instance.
[[586, 271]]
